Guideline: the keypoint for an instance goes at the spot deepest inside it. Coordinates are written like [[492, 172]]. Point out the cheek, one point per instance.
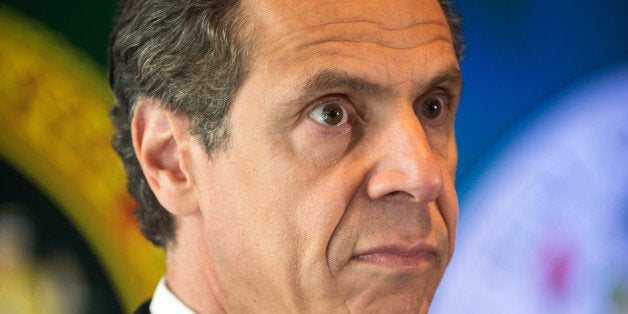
[[281, 202], [452, 158], [448, 207], [318, 201], [450, 196]]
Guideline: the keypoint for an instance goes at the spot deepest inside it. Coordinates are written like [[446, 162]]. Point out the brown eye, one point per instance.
[[331, 114], [432, 108]]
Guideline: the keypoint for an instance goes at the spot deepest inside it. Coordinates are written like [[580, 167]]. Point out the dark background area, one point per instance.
[[53, 234]]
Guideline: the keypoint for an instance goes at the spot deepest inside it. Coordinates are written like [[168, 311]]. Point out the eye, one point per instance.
[[432, 108], [330, 114]]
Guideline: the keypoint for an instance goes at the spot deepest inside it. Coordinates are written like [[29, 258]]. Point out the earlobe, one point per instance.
[[160, 140]]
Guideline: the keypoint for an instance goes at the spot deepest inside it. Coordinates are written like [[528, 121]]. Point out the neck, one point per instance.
[[189, 272]]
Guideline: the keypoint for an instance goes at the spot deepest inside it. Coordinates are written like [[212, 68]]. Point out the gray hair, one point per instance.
[[191, 56]]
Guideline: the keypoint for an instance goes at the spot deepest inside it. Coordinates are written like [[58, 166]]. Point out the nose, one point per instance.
[[405, 163]]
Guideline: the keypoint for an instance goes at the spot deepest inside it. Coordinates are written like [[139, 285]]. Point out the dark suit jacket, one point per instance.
[[143, 309]]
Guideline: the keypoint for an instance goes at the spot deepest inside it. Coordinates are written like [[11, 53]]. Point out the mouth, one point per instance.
[[407, 258]]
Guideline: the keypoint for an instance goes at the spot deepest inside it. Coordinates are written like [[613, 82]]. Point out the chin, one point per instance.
[[374, 287], [395, 303]]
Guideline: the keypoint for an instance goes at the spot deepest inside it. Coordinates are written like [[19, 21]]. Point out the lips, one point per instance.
[[417, 257]]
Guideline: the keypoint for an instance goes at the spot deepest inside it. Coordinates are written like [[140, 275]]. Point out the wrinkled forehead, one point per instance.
[[386, 42], [284, 17]]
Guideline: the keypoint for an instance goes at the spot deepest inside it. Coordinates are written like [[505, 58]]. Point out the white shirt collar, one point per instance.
[[165, 302]]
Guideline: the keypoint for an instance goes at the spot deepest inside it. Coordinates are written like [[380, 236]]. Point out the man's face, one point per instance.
[[336, 187]]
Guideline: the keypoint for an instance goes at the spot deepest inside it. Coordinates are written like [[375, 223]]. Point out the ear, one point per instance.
[[160, 139]]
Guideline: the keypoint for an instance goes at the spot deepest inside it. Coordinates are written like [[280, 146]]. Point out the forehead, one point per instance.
[[389, 14], [383, 39]]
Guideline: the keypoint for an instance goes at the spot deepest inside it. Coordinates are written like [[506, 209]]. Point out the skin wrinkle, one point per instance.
[[321, 82], [394, 38], [355, 17], [366, 32], [336, 79], [421, 223], [304, 57], [326, 80], [365, 37], [383, 45]]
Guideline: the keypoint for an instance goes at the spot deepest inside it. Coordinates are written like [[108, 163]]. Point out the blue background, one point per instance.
[[519, 53]]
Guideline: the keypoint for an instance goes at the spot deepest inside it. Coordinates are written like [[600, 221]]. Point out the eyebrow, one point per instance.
[[329, 79], [451, 76]]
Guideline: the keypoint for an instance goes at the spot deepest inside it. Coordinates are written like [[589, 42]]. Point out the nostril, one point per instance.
[[399, 195]]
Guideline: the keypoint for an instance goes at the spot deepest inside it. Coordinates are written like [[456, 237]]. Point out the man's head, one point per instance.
[[292, 155]]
